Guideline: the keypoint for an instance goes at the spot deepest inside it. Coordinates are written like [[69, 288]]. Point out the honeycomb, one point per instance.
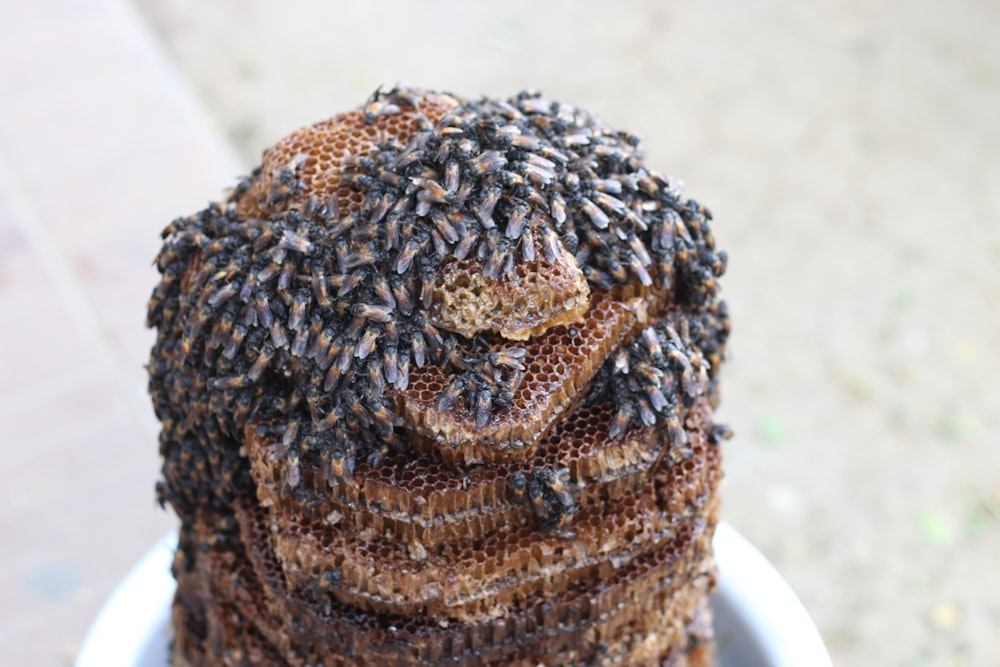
[[508, 564], [317, 153], [540, 295], [420, 500], [436, 385], [641, 598], [559, 364]]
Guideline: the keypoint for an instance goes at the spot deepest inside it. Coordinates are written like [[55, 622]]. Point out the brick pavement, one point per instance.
[[101, 143]]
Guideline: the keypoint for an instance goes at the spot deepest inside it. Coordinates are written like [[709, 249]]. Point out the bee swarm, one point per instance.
[[436, 386]]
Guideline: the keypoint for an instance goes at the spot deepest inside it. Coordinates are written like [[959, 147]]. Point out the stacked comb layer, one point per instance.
[[436, 384]]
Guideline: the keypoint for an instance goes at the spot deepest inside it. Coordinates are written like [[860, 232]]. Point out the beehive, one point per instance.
[[436, 385]]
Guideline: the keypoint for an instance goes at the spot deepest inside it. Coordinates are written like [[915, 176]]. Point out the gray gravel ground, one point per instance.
[[851, 154]]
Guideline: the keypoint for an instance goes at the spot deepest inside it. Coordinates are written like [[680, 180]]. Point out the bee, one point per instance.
[[516, 219], [337, 227], [451, 393], [241, 409], [278, 335], [260, 364], [383, 291], [234, 341], [332, 378], [609, 185], [652, 343], [490, 196], [383, 419], [517, 487], [297, 318], [555, 484], [622, 362], [639, 250], [319, 287], [373, 312], [382, 206], [440, 247], [419, 346], [355, 408], [406, 257], [571, 242], [427, 280], [610, 204], [646, 413], [367, 343], [621, 421], [536, 497], [402, 96], [263, 307], [354, 328], [403, 373], [231, 382], [362, 255], [222, 329], [617, 271], [509, 357], [391, 361], [551, 499], [376, 379], [341, 462], [513, 181], [676, 434], [688, 377], [376, 108], [483, 406], [222, 294], [194, 327], [346, 355], [345, 284], [300, 342], [598, 217], [597, 277], [430, 191], [464, 246], [656, 398], [377, 455], [640, 271], [451, 176], [444, 225], [358, 180], [485, 163], [533, 105], [326, 348], [718, 433], [293, 241]]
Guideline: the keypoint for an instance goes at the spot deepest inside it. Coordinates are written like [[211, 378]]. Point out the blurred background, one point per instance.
[[850, 152]]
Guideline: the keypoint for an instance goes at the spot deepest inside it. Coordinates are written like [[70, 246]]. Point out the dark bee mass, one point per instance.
[[297, 321], [302, 300]]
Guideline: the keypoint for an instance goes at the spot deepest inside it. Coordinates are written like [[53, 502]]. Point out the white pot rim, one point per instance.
[[763, 622]]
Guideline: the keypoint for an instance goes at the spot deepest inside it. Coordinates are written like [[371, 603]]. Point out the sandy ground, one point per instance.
[[851, 154]]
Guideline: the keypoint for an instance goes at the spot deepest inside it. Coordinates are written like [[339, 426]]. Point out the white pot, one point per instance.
[[758, 620]]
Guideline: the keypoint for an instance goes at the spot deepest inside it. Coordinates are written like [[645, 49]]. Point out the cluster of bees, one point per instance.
[[366, 477], [309, 317]]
